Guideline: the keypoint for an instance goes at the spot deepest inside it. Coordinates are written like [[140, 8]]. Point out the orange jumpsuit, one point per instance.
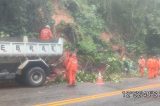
[[72, 69], [45, 34], [142, 64], [66, 59], [156, 67], [150, 67]]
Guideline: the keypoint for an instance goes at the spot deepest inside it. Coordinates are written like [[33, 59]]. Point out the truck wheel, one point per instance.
[[35, 76], [19, 79]]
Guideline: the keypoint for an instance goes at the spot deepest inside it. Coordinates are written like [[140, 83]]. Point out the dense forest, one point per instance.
[[102, 30], [23, 17]]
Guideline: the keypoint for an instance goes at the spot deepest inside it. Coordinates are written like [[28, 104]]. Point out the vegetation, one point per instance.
[[133, 24], [24, 17], [133, 20], [83, 76]]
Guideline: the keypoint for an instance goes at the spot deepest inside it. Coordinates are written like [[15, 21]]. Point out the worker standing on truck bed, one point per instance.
[[72, 68], [46, 33]]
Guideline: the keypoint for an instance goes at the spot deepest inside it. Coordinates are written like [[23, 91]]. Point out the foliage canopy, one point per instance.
[[23, 17]]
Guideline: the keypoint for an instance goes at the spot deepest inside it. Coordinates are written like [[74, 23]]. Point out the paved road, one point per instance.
[[84, 94]]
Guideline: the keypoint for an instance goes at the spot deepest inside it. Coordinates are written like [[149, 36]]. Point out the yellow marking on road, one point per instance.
[[97, 96]]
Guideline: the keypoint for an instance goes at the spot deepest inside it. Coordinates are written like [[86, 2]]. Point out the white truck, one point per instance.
[[28, 62]]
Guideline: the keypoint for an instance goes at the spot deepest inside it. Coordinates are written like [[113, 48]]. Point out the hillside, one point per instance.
[[103, 31], [60, 14]]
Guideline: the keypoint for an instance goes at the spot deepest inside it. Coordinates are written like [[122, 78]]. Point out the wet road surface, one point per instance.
[[84, 94]]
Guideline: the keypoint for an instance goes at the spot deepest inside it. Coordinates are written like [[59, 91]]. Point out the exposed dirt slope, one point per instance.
[[60, 14]]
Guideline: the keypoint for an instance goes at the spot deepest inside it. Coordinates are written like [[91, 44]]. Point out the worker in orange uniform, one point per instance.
[[159, 66], [65, 63], [150, 67], [156, 66], [72, 68], [46, 33], [141, 63]]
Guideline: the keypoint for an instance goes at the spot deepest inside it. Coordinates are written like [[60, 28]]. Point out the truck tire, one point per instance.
[[35, 76]]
